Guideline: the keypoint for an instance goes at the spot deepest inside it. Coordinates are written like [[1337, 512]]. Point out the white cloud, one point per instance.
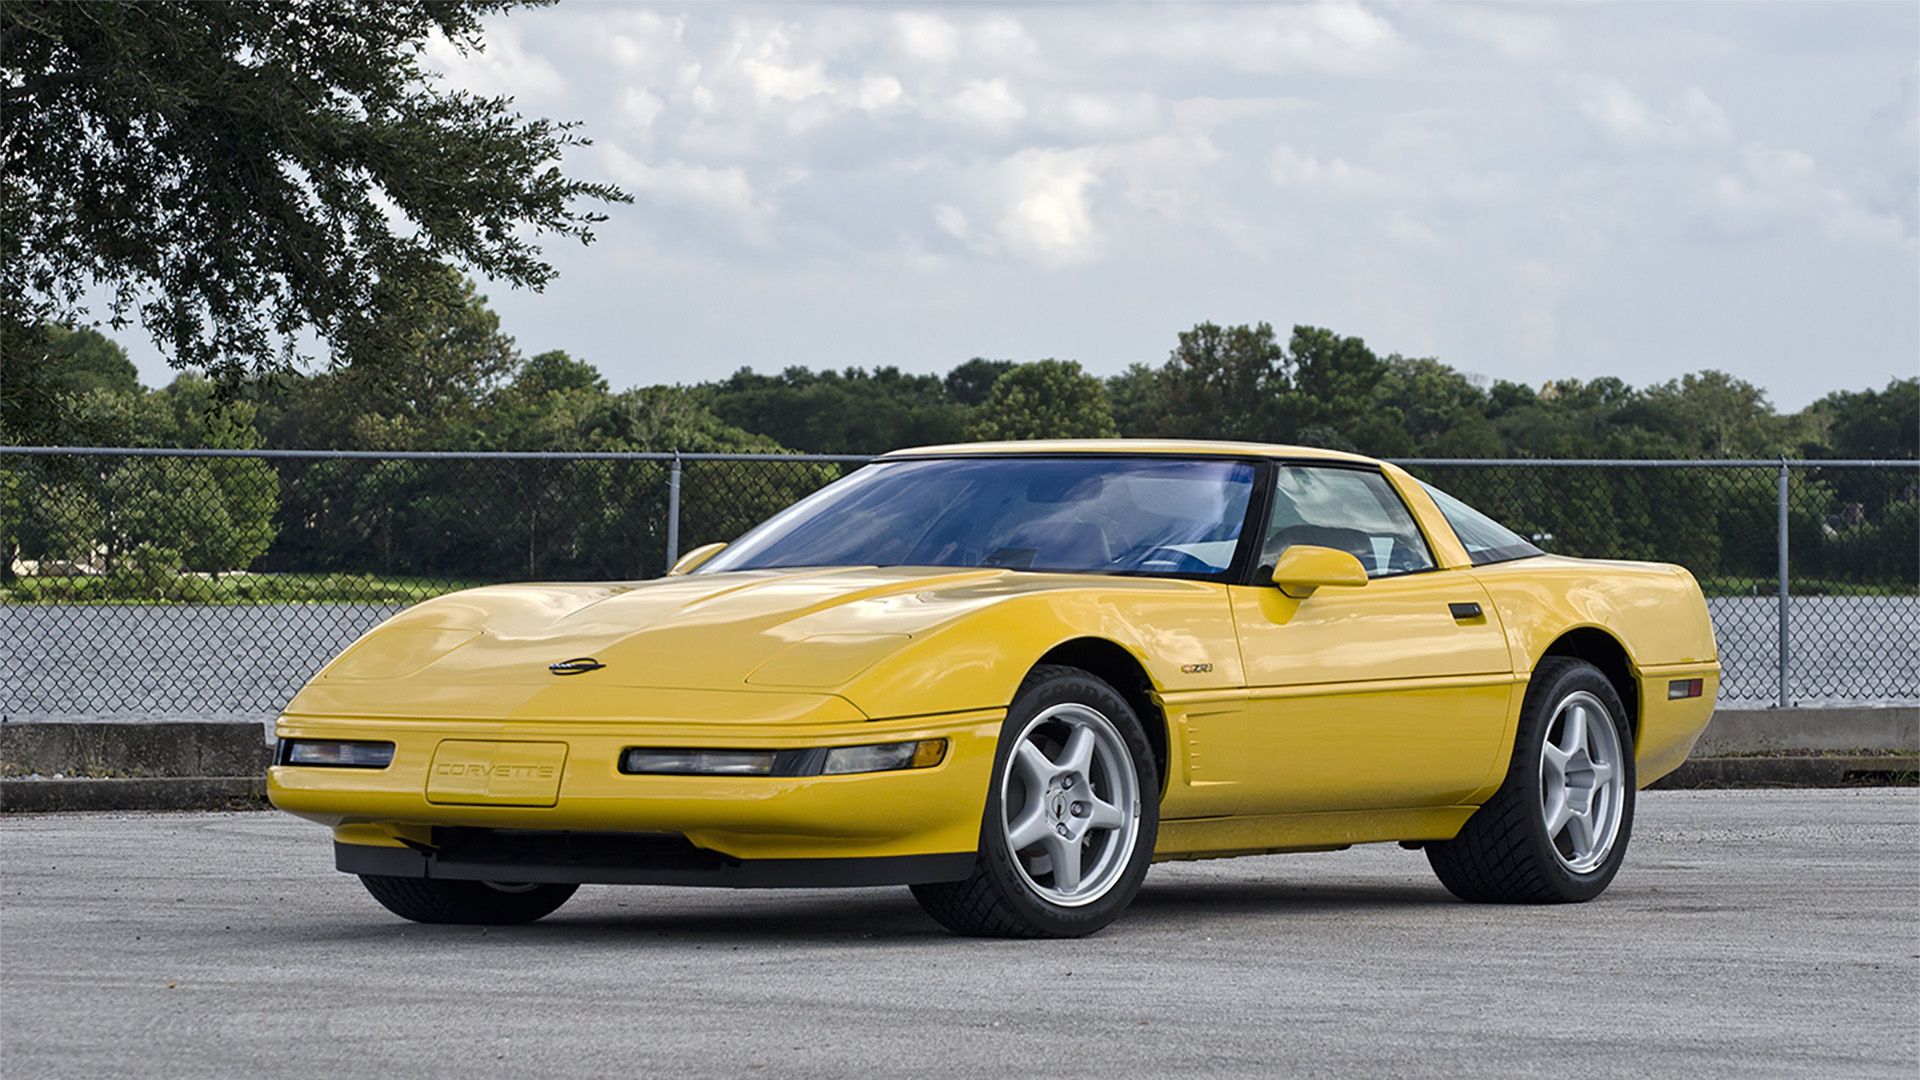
[[1046, 217], [952, 222], [1774, 189], [987, 103], [1626, 119], [502, 67], [1290, 168], [1003, 37], [927, 37], [1206, 112], [764, 56], [1408, 229], [1095, 115], [645, 41], [1327, 37], [724, 194], [1218, 160], [876, 92], [640, 106], [1511, 30]]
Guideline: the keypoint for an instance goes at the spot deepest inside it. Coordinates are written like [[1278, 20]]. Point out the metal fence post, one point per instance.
[[673, 511], [1785, 635]]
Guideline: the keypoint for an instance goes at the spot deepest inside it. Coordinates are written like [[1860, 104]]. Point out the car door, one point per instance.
[[1388, 695]]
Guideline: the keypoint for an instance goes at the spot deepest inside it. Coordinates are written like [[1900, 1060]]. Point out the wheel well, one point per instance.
[[1602, 650], [1117, 666]]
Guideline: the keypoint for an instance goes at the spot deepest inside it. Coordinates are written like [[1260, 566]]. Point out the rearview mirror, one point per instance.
[[1302, 568], [693, 560]]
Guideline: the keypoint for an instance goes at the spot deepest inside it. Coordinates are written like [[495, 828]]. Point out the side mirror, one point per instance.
[[692, 560], [1303, 568]]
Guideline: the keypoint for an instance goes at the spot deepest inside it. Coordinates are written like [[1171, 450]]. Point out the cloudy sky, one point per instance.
[[1525, 192]]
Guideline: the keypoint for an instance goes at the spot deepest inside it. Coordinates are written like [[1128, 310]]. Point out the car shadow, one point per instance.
[[876, 917], [1184, 900]]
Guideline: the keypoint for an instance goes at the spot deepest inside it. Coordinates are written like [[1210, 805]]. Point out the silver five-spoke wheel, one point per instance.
[[1070, 799], [1582, 786]]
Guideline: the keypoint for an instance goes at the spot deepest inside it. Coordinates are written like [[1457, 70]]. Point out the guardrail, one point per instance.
[[194, 582]]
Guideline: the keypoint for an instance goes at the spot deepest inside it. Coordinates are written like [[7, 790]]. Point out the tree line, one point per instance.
[[449, 378]]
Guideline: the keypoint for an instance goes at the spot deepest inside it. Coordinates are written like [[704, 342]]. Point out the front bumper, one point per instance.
[[630, 859], [742, 825]]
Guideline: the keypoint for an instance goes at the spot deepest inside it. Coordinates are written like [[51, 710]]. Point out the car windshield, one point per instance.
[[1075, 514]]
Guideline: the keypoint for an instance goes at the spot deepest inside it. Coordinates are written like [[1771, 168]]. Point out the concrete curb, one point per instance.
[[19, 795], [1740, 732], [106, 749], [1795, 771]]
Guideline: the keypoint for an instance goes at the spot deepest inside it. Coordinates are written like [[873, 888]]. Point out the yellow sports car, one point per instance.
[[1012, 676]]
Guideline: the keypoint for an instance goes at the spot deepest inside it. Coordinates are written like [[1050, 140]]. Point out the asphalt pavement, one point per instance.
[[1750, 934]]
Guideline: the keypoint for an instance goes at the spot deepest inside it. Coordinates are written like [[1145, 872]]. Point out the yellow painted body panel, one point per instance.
[[1357, 714]]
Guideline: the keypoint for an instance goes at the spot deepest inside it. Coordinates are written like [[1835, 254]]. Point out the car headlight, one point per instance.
[[336, 753], [699, 762], [884, 757], [822, 761]]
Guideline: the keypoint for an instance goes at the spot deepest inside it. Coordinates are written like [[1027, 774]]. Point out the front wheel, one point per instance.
[[484, 903], [1557, 829], [1071, 817]]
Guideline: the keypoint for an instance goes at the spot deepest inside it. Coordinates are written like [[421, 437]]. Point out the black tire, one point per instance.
[[996, 899], [1503, 854], [427, 900]]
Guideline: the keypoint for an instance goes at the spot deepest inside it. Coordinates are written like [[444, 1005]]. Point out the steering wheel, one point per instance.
[[1172, 559]]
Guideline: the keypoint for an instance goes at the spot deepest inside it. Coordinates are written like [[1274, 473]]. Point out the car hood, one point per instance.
[[488, 651]]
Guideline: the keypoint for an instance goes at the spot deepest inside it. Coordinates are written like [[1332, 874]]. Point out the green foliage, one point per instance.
[[1218, 383], [847, 412], [1870, 423], [236, 173], [1332, 380], [45, 369], [1047, 399], [969, 384]]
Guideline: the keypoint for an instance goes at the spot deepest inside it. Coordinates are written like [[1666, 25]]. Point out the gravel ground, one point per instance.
[[1751, 934]]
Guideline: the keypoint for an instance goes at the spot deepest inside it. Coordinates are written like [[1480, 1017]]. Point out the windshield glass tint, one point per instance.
[[1108, 515], [1485, 539]]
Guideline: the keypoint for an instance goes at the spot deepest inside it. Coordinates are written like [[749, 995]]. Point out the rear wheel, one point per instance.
[[485, 903], [1557, 829], [1071, 817]]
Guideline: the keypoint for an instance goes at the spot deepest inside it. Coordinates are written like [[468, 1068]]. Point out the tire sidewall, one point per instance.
[[997, 860], [1542, 701]]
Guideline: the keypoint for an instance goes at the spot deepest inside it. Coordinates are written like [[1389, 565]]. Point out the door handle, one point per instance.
[[1464, 611]]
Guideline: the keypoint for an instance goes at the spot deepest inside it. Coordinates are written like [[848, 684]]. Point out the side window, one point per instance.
[[1486, 540], [1350, 510]]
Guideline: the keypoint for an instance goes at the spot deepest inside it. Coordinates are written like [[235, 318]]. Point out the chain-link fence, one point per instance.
[[171, 583]]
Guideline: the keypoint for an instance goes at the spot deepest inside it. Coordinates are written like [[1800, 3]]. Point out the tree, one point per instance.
[[554, 372], [1220, 382], [970, 383], [1138, 398], [1047, 399], [234, 174], [1872, 423], [1421, 406], [40, 381], [433, 356], [1713, 414], [855, 411], [1332, 380]]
